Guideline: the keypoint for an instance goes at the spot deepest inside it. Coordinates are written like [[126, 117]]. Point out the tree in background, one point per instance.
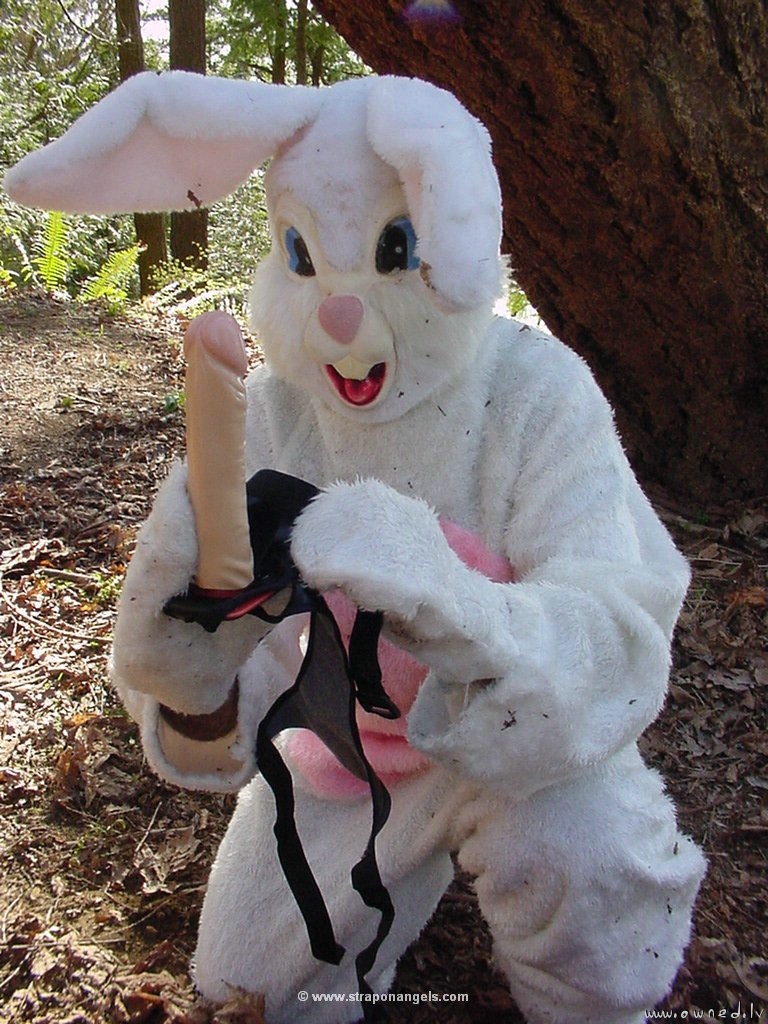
[[277, 41], [58, 57], [54, 64], [632, 145], [186, 21], [150, 227]]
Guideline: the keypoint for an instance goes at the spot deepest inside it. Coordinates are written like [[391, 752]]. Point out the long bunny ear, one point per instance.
[[170, 141], [443, 158]]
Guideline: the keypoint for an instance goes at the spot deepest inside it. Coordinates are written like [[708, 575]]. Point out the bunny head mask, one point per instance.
[[383, 201]]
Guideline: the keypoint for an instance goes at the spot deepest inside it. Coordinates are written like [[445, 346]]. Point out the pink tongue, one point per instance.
[[360, 392]]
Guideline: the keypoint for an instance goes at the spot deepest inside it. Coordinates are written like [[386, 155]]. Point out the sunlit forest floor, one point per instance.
[[104, 867]]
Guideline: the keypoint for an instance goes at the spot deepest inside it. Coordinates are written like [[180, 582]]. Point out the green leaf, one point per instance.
[[517, 300], [113, 277], [49, 254]]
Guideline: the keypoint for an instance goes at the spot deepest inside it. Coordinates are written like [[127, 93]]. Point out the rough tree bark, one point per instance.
[[632, 147], [149, 227], [186, 24], [301, 42], [280, 56]]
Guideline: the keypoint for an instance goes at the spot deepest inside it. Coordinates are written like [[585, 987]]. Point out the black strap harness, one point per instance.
[[330, 682]]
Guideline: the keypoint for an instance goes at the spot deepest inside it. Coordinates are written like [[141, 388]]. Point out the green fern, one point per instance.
[[25, 271], [112, 280], [6, 280], [49, 253]]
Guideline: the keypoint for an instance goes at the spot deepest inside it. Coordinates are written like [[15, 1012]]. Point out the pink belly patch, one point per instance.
[[386, 747]]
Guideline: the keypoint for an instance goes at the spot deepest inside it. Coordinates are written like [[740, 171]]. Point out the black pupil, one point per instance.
[[392, 250], [304, 266]]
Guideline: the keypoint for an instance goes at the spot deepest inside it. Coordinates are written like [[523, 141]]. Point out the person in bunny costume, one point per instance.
[[474, 490]]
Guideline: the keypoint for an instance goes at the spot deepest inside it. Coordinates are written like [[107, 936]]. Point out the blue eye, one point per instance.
[[299, 259], [396, 247]]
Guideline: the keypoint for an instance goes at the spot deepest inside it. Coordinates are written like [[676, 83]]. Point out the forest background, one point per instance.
[[58, 58], [103, 866]]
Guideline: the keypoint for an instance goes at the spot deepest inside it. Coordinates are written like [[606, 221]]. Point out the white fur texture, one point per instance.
[[537, 692], [587, 887], [539, 688], [179, 140], [581, 869], [417, 131], [162, 142]]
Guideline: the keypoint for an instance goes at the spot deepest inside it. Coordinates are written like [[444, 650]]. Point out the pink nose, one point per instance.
[[340, 316]]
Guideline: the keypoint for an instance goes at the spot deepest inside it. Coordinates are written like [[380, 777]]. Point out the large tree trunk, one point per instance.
[[632, 147], [301, 42], [149, 227], [186, 24], [280, 56]]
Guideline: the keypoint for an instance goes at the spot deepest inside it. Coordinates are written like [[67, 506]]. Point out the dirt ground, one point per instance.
[[104, 867]]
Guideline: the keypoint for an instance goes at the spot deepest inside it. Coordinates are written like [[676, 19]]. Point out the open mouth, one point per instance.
[[357, 383]]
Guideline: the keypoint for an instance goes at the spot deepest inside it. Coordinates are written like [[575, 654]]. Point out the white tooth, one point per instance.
[[353, 369]]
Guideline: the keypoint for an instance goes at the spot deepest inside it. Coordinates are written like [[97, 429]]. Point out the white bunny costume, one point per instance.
[[529, 625]]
